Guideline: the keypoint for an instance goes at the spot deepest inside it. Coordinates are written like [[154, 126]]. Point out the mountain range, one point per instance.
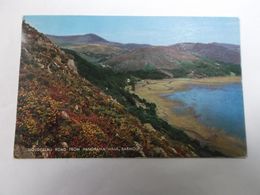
[[131, 57]]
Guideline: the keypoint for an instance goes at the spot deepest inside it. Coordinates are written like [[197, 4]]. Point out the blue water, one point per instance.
[[220, 107]]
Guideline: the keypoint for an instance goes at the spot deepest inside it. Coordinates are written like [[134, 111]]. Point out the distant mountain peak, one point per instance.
[[89, 38], [95, 36]]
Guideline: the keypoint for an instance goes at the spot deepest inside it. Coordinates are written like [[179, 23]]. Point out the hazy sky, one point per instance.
[[149, 30]]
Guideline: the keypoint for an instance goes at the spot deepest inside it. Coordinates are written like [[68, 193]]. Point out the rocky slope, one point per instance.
[[60, 112]]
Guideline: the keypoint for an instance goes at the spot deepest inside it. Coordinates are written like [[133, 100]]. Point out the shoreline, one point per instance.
[[156, 90]]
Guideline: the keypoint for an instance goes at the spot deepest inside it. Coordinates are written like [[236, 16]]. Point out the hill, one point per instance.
[[227, 53], [149, 58], [77, 39]]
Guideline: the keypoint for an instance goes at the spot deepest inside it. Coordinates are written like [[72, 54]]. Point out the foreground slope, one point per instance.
[[59, 112]]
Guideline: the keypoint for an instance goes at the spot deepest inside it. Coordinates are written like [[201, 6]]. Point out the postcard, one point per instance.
[[130, 87]]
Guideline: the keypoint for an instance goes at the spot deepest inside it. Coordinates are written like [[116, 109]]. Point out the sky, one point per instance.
[[152, 30]]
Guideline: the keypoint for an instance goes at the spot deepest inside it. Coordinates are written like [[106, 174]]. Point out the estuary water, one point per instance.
[[220, 107]]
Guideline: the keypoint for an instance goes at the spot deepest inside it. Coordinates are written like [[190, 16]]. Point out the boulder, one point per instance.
[[72, 66]]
